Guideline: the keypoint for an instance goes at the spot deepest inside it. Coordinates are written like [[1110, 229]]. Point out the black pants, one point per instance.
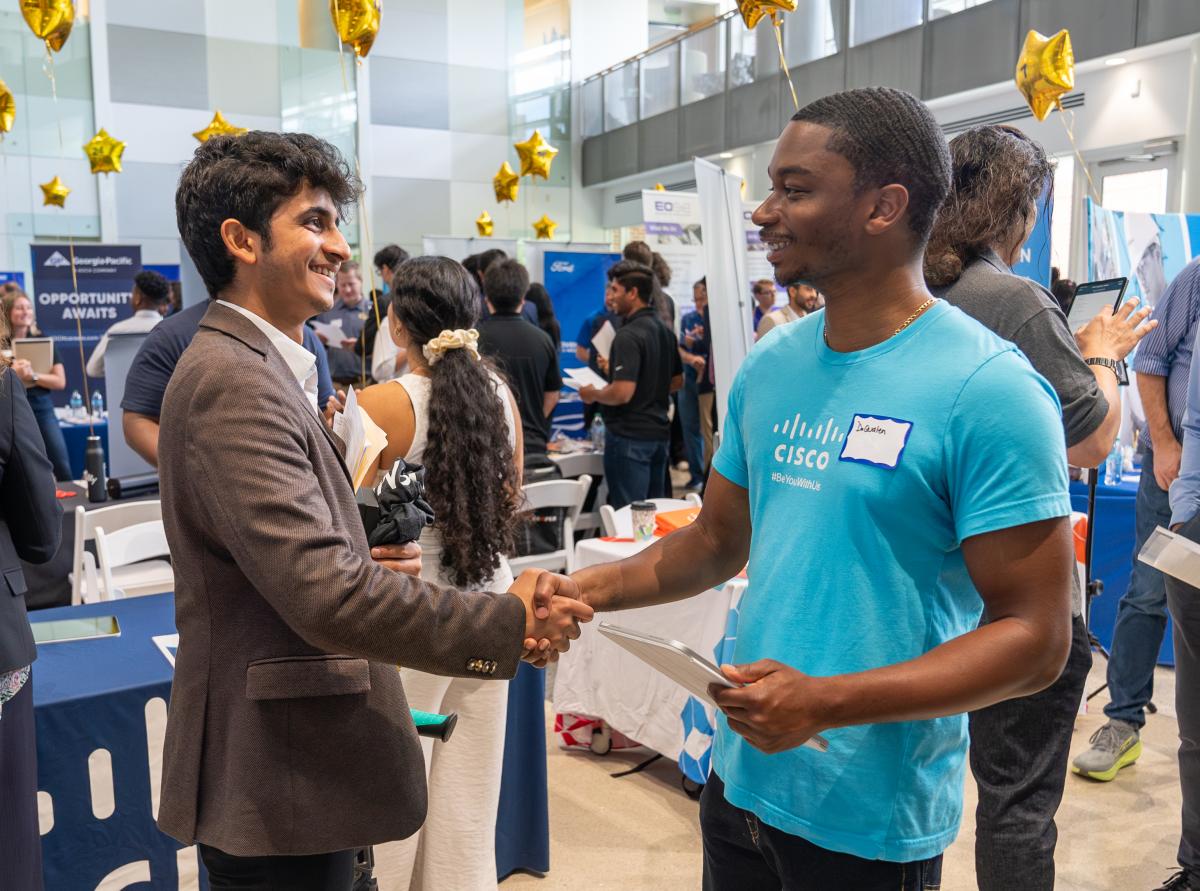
[[1019, 752], [742, 854], [1184, 602], [20, 837], [315, 872]]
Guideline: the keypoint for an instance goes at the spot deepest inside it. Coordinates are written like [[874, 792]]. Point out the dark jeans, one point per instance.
[[314, 872], [1019, 752], [52, 436], [741, 853], [1184, 601], [1142, 612], [634, 468], [689, 420], [20, 838]]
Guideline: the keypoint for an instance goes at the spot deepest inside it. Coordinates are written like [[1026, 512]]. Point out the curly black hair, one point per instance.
[[153, 285], [888, 136], [469, 470], [247, 178], [999, 174]]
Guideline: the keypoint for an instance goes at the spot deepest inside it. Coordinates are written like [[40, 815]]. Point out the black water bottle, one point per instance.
[[93, 470]]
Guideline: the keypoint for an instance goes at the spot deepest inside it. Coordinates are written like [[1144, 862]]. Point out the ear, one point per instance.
[[890, 204], [243, 245]]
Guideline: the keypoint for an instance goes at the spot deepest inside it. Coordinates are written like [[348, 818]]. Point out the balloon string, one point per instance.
[[1070, 128], [368, 259], [783, 67], [48, 67]]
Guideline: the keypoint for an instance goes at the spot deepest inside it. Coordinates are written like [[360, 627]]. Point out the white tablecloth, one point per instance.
[[599, 679]]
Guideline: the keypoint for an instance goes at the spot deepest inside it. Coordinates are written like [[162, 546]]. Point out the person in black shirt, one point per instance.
[[523, 350], [645, 370]]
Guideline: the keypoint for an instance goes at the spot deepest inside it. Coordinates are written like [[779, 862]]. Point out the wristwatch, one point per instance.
[[1115, 366], [34, 379]]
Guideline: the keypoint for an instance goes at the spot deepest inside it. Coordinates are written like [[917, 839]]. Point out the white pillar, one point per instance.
[[1189, 195], [102, 108]]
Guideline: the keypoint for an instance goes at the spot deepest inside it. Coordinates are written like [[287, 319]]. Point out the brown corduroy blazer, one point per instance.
[[288, 731]]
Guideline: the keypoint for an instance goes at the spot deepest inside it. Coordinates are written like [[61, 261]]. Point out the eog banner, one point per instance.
[[104, 275]]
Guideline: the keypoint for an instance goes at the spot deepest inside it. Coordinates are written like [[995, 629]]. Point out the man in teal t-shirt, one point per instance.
[[889, 468]]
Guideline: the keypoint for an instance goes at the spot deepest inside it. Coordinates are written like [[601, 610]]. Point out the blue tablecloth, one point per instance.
[[76, 436], [94, 694], [1112, 554]]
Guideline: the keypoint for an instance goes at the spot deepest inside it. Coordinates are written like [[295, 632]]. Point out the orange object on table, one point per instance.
[[672, 520]]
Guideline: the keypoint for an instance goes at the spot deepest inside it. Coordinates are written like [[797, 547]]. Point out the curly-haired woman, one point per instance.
[[453, 413]]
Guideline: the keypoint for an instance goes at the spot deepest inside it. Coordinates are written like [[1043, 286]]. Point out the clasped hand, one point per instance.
[[777, 709], [553, 612]]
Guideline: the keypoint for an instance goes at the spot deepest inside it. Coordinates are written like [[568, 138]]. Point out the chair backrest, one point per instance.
[[568, 493], [577, 464], [132, 544], [112, 518]]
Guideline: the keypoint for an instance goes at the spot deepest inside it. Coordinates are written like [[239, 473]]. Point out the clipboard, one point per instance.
[[680, 663], [38, 350]]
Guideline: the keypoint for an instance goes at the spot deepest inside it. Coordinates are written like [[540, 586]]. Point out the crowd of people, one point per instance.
[[938, 605]]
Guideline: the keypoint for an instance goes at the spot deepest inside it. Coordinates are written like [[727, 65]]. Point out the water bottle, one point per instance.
[[598, 433], [1112, 466], [76, 405], [94, 475], [97, 404]]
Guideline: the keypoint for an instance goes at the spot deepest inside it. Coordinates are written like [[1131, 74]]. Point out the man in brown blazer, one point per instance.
[[289, 741]]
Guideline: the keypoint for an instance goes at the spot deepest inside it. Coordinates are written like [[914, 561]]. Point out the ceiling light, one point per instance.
[[726, 154], [1115, 60]]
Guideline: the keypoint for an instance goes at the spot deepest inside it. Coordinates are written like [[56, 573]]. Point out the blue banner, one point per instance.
[[576, 283], [18, 277], [1034, 261], [1149, 249], [104, 274]]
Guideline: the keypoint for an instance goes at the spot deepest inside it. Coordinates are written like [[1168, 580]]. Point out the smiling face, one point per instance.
[[298, 271], [624, 300], [21, 317], [700, 296], [349, 287], [812, 221]]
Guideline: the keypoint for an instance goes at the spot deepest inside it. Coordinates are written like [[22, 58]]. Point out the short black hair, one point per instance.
[[504, 285], [621, 267], [247, 178], [488, 257], [154, 287], [888, 136], [637, 275], [390, 257]]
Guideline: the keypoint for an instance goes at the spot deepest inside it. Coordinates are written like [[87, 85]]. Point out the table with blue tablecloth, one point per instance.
[[1112, 554], [100, 707], [76, 438]]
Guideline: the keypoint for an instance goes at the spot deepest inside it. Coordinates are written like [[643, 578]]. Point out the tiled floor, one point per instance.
[[641, 831]]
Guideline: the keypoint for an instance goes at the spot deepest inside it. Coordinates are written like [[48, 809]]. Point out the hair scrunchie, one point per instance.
[[458, 339]]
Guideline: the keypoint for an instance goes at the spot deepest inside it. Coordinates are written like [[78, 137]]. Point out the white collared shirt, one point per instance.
[[299, 360], [140, 322]]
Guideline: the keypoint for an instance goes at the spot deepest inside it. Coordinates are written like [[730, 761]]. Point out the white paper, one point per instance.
[[603, 339], [332, 333], [1173, 554], [876, 441], [583, 377], [348, 424]]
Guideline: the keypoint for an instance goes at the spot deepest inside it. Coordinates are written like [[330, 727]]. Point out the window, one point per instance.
[[940, 8], [872, 19], [592, 96], [660, 81], [621, 96], [1143, 191], [1062, 215], [703, 63], [809, 33], [752, 54]]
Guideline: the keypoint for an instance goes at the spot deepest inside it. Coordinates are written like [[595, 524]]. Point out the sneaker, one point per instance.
[[1181, 882], [1115, 745]]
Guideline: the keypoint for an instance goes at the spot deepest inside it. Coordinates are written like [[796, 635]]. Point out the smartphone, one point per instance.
[[1091, 297]]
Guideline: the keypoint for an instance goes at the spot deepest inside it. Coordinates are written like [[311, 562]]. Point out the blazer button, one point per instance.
[[472, 664]]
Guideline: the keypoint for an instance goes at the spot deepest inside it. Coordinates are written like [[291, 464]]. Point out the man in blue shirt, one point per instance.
[[1183, 601], [694, 355], [889, 467], [1162, 362]]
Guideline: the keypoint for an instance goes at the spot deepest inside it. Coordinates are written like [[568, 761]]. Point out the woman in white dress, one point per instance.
[[453, 414]]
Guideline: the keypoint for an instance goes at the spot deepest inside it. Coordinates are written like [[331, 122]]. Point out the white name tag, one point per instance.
[[877, 441]]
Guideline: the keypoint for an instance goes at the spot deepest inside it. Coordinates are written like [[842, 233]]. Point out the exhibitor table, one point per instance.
[[101, 708], [599, 679]]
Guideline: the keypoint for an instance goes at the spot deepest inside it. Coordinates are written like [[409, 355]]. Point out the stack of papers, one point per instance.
[[575, 378], [365, 440], [602, 340], [332, 333], [1173, 554]]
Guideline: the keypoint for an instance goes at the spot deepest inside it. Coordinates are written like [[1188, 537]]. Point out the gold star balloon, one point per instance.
[[1045, 71], [104, 153], [659, 187], [506, 183], [51, 20], [54, 193], [753, 11], [544, 228], [484, 224], [8, 109], [536, 155], [218, 126], [356, 23]]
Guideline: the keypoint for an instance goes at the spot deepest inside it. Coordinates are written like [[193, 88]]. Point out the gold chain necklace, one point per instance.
[[920, 309]]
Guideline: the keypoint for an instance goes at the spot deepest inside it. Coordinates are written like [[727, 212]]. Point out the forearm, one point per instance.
[[611, 395], [1152, 388], [141, 432], [549, 401], [1091, 451], [53, 380]]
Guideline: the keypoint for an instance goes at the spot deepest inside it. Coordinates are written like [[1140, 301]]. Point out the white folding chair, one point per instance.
[[576, 465], [566, 494], [117, 516], [619, 523], [128, 567]]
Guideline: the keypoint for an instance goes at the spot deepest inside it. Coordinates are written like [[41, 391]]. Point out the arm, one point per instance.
[[95, 364], [1167, 450], [54, 379], [141, 432], [677, 383], [518, 437], [549, 401], [699, 556], [27, 488], [616, 393]]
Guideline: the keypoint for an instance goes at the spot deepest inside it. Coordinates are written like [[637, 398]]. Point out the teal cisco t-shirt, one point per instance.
[[865, 472]]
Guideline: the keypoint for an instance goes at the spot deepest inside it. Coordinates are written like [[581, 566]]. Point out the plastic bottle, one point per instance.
[[1112, 466], [598, 433], [97, 404], [76, 405]]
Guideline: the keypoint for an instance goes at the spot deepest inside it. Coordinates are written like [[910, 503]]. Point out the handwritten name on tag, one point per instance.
[[877, 441]]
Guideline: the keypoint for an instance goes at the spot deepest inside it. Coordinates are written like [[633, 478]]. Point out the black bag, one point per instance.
[[540, 531]]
